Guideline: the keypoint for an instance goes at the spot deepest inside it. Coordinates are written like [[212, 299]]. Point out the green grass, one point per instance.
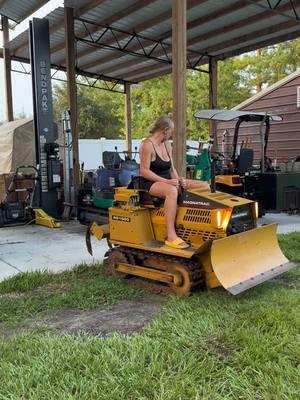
[[28, 294], [207, 346]]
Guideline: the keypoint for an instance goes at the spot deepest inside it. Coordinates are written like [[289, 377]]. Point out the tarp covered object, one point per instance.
[[17, 145]]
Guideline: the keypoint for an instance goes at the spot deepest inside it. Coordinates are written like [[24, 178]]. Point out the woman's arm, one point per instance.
[[173, 171], [185, 183]]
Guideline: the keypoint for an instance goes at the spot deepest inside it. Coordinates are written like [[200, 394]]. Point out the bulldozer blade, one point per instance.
[[246, 259]]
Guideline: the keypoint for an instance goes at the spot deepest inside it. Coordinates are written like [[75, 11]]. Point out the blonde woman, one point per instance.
[[160, 177]]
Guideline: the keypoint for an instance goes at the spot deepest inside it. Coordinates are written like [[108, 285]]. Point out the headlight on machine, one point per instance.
[[216, 218], [220, 218]]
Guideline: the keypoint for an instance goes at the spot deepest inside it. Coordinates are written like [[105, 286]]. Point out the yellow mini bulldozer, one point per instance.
[[226, 246]]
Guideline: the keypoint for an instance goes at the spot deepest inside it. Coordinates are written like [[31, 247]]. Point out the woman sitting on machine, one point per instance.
[[160, 177]]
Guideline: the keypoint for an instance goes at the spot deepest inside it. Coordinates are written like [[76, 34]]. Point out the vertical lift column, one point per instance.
[[47, 149]]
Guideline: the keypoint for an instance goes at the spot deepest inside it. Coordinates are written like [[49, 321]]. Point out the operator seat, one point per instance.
[[245, 161], [145, 198], [111, 159]]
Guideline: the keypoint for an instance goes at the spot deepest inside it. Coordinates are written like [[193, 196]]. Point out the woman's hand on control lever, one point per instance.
[[183, 183], [174, 182]]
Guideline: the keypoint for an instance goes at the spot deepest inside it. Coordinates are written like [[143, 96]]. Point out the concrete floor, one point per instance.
[[286, 223], [33, 247]]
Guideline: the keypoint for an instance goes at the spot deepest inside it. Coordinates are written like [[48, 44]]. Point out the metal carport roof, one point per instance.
[[18, 10], [130, 40]]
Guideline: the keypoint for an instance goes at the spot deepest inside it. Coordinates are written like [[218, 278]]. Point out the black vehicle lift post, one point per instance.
[[47, 158]]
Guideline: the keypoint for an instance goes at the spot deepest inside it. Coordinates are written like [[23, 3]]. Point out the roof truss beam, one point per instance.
[[97, 82], [222, 12], [60, 24], [266, 4], [138, 28], [198, 39], [155, 68], [260, 44], [239, 24], [155, 55], [143, 47], [207, 18], [113, 18], [251, 36]]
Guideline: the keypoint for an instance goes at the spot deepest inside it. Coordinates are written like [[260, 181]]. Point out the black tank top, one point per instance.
[[159, 166]]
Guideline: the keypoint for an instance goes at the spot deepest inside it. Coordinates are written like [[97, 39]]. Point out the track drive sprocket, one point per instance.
[[116, 256]]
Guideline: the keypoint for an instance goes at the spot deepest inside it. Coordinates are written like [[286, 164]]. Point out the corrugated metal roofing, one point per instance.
[[215, 28], [18, 10]]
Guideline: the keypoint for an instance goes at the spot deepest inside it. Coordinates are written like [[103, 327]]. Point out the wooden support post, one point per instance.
[[71, 89], [179, 84], [9, 115], [213, 86], [128, 124]]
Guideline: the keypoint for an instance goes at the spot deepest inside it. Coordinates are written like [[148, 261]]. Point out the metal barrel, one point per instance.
[[246, 259]]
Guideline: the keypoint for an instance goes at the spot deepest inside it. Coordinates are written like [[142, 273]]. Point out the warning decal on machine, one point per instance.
[[120, 218]]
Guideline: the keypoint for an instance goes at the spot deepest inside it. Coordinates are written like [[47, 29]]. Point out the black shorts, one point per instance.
[[138, 182], [145, 184]]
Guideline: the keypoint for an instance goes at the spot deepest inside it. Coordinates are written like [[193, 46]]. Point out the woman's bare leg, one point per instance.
[[170, 194]]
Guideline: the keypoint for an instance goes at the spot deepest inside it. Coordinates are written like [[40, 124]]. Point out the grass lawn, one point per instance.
[[207, 346]]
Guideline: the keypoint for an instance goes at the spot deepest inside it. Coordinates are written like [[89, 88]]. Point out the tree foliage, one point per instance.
[[150, 99], [153, 98], [272, 64], [98, 111]]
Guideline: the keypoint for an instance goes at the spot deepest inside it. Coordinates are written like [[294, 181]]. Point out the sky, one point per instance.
[[21, 83]]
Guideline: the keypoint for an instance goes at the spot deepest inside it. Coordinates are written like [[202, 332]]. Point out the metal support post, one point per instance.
[[68, 158], [71, 89], [128, 118], [179, 84], [213, 86], [9, 115]]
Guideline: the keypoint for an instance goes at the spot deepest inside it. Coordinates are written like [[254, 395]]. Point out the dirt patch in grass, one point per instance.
[[50, 287], [218, 349], [125, 317]]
